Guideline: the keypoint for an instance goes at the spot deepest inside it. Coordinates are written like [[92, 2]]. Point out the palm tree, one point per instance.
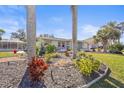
[[31, 31], [1, 33], [74, 29], [103, 36], [114, 32]]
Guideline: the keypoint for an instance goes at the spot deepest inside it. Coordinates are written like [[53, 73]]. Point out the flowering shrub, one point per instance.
[[14, 51], [36, 69]]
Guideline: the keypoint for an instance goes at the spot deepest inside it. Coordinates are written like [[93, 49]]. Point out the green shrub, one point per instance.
[[69, 49], [87, 64], [48, 56], [37, 51], [122, 50], [50, 49], [116, 47], [81, 54], [55, 55]]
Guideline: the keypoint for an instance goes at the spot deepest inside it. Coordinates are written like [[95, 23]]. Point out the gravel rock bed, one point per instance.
[[11, 73], [66, 76]]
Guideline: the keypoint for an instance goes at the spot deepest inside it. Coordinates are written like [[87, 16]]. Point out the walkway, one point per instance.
[[8, 59]]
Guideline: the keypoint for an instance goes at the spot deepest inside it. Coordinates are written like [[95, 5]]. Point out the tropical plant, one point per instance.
[[103, 36], [1, 33], [114, 32], [50, 48], [36, 69], [108, 35]]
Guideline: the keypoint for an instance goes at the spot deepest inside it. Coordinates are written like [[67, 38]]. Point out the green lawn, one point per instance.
[[6, 54], [116, 64]]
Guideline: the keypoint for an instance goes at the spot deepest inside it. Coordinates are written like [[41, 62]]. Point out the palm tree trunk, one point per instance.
[[74, 29], [31, 32]]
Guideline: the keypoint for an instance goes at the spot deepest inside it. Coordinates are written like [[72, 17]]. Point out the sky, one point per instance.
[[57, 20]]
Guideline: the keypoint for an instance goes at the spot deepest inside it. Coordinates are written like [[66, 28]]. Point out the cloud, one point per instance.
[[11, 20], [61, 33], [56, 19], [10, 9], [10, 25], [87, 31]]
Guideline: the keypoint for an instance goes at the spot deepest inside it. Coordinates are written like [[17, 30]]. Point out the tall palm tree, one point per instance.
[[114, 32], [1, 33], [31, 31], [74, 29], [103, 36]]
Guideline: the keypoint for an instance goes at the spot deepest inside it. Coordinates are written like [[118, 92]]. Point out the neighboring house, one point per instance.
[[9, 45], [62, 43], [91, 44]]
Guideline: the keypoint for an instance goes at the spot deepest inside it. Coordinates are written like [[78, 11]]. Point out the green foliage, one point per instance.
[[86, 64], [108, 33], [37, 51], [81, 54], [50, 49], [116, 47], [20, 34], [122, 50], [55, 55], [69, 49], [1, 33], [49, 56]]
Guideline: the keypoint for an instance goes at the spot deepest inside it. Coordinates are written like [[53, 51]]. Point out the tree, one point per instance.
[[31, 32], [20, 34], [74, 29], [103, 36], [1, 33], [114, 32], [120, 26], [108, 35]]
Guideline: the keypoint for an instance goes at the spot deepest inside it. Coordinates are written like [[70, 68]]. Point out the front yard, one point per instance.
[[116, 65], [6, 54]]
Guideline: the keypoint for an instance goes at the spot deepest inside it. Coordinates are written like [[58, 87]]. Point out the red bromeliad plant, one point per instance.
[[36, 69]]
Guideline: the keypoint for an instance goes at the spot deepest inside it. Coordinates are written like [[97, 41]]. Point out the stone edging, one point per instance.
[[95, 80], [23, 73]]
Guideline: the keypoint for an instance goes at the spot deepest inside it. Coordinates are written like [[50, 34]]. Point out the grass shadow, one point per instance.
[[108, 82]]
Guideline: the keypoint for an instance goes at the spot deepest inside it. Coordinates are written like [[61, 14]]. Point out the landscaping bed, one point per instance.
[[11, 73], [68, 76]]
